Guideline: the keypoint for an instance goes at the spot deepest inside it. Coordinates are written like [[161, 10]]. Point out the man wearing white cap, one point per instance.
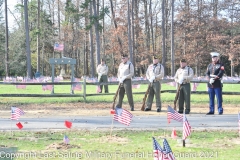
[[215, 71]]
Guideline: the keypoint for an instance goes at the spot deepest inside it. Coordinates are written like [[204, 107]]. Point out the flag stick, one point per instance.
[[238, 124], [183, 142], [11, 128], [111, 128]]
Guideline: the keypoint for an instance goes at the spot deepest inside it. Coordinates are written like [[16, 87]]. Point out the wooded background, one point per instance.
[[95, 29]]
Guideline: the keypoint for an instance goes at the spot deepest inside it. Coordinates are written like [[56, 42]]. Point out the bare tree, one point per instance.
[[96, 25], [163, 35], [6, 41], [28, 51], [129, 33]]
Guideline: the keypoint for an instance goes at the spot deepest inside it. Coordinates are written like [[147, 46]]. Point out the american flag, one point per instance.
[[58, 47], [16, 113], [123, 116], [186, 127], [168, 154], [239, 123], [65, 139], [172, 114], [76, 86], [157, 150]]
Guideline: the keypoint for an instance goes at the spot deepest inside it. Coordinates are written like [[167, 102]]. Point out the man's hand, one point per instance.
[[180, 80], [121, 80], [211, 81], [124, 77], [213, 76], [152, 79]]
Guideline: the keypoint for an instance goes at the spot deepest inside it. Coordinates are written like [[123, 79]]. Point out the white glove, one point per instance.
[[100, 74], [211, 80], [213, 76], [150, 80], [180, 80], [121, 80], [124, 77], [153, 78]]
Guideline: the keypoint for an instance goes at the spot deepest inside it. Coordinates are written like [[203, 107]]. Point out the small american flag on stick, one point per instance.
[[16, 113], [186, 127], [172, 114], [123, 116]]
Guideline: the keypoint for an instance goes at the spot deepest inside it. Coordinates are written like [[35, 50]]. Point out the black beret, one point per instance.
[[124, 55], [183, 60], [156, 57]]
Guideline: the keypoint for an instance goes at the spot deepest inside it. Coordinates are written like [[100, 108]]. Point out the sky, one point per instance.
[[11, 20]]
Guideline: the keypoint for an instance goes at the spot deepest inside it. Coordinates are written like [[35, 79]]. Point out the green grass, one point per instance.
[[91, 89], [133, 145]]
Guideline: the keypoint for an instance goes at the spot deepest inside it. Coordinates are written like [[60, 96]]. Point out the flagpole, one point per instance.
[[184, 118], [11, 128], [183, 142], [238, 123], [111, 128]]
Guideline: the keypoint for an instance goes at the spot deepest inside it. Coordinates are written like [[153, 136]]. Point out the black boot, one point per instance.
[[147, 109]]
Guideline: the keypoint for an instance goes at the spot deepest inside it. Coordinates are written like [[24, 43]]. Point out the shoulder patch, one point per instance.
[[222, 68]]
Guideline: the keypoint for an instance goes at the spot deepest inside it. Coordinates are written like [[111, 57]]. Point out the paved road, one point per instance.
[[197, 121]]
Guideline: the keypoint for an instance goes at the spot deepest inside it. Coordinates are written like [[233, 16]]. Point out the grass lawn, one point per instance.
[[91, 89], [133, 145]]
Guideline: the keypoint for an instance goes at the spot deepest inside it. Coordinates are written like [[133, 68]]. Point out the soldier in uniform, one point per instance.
[[125, 74], [102, 71], [215, 71], [154, 74], [183, 77]]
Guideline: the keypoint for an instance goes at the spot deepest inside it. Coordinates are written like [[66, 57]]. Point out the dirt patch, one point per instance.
[[61, 146], [100, 109]]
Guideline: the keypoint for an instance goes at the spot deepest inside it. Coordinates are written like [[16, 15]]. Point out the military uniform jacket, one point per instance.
[[156, 70], [218, 70], [125, 69], [187, 74], [102, 69]]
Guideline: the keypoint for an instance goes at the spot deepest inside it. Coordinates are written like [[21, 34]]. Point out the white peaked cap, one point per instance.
[[214, 54]]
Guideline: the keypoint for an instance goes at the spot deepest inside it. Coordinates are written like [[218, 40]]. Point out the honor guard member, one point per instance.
[[215, 71], [154, 74], [125, 74], [183, 77], [102, 71]]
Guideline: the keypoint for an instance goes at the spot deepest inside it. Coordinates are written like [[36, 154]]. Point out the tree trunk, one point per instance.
[[38, 38], [103, 31], [163, 35], [115, 26], [96, 32], [129, 33], [6, 41], [151, 23], [28, 51], [91, 45], [172, 41], [133, 35], [147, 33]]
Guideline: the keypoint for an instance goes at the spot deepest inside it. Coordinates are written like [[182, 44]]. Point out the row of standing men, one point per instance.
[[155, 73]]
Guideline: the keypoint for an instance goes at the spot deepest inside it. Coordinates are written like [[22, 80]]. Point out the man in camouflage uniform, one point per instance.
[[183, 77], [125, 74], [154, 74], [215, 71], [102, 71]]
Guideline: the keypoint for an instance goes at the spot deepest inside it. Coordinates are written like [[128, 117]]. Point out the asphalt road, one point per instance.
[[197, 121]]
